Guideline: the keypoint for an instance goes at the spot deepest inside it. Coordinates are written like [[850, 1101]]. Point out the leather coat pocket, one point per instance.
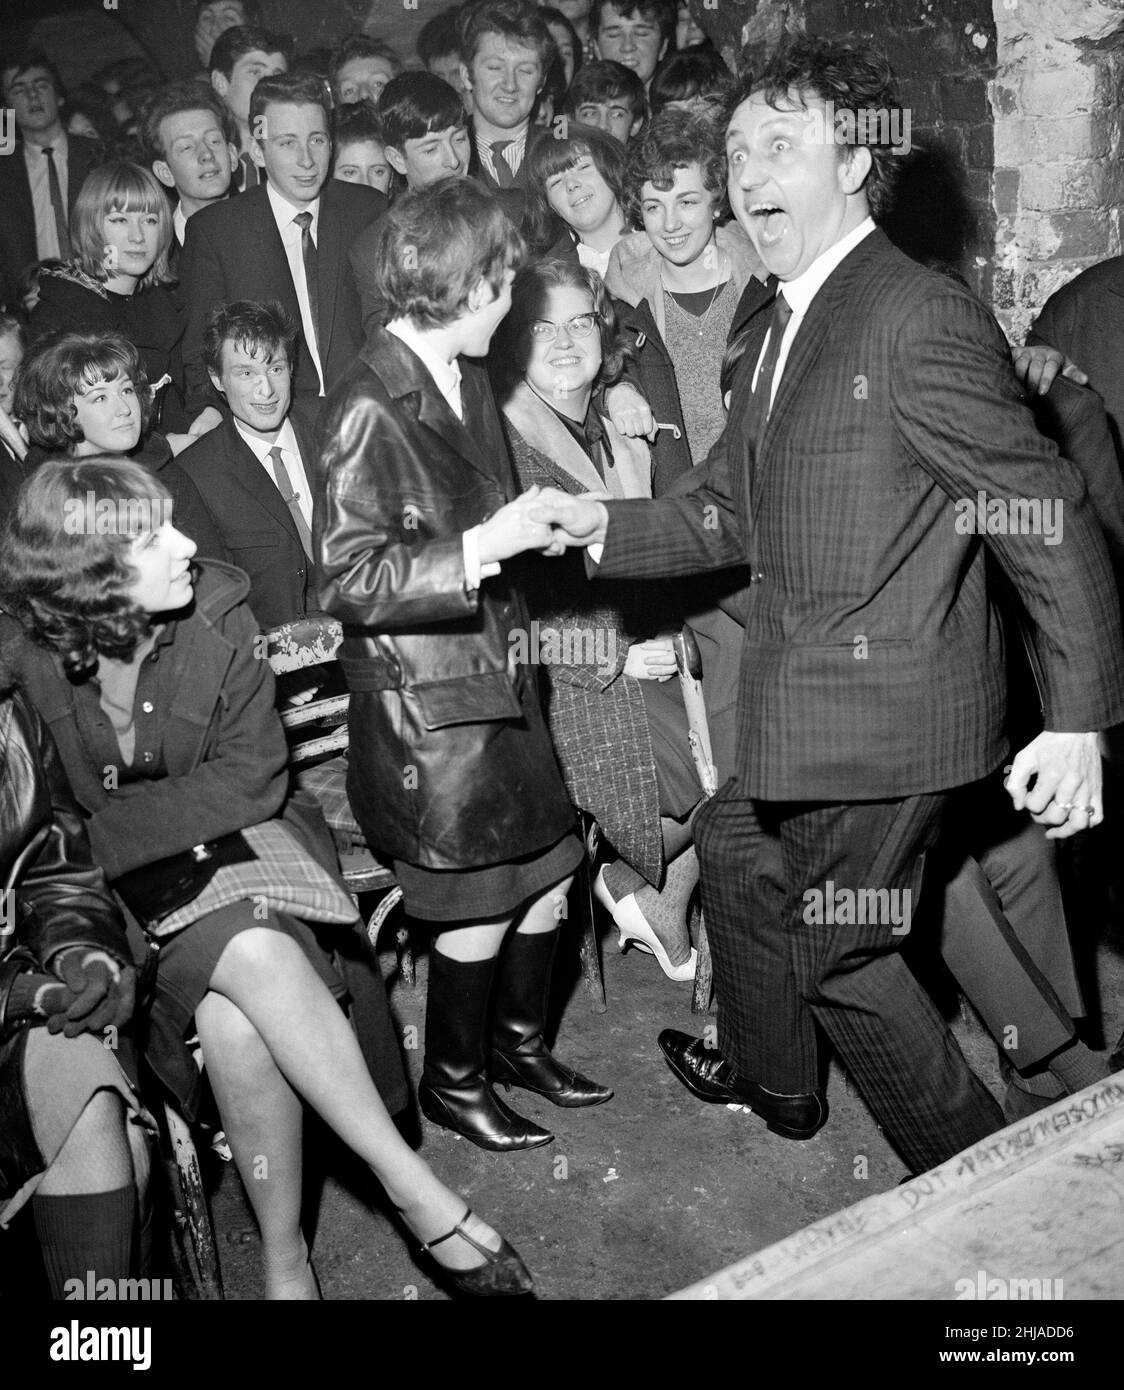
[[477, 699]]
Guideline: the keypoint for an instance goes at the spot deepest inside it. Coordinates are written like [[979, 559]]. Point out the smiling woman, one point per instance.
[[117, 278]]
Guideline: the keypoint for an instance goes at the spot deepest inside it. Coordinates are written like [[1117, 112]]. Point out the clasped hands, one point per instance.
[[95, 992], [544, 519]]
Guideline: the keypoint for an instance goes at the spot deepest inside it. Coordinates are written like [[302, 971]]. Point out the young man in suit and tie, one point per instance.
[[506, 52], [876, 402], [42, 170], [241, 57], [288, 241], [255, 471]]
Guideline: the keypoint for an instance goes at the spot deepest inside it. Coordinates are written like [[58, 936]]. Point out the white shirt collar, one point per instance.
[[800, 292], [286, 440], [58, 149], [284, 212], [446, 375], [179, 223]]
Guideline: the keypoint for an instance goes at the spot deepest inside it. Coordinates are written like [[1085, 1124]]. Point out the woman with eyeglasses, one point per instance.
[[615, 706]]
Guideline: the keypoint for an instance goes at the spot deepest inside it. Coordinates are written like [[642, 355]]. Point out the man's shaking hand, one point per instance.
[[581, 521]]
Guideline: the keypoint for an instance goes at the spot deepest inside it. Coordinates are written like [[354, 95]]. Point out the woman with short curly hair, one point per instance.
[[146, 665], [88, 393]]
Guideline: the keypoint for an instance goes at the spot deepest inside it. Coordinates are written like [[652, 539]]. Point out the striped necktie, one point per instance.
[[505, 175]]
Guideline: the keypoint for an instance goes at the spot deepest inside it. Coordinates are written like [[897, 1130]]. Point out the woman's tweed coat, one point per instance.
[[596, 713]]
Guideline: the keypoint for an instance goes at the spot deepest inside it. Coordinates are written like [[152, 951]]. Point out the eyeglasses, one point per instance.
[[580, 326]]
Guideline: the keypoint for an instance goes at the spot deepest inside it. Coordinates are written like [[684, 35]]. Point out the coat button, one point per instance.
[[148, 707], [148, 757]]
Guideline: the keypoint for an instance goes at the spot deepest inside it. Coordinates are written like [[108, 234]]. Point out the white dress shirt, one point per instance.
[[38, 176], [179, 223], [447, 378], [800, 292], [286, 441], [284, 212]]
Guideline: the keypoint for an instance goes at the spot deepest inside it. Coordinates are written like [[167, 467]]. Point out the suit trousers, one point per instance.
[[789, 890]]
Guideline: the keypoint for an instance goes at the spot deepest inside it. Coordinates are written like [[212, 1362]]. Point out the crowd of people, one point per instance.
[[553, 328]]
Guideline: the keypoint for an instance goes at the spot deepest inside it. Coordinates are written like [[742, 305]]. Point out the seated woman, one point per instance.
[[146, 667], [87, 393], [615, 708], [117, 280], [72, 1141]]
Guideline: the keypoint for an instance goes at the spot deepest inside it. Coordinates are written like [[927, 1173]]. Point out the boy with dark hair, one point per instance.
[[438, 47], [188, 140], [424, 129], [255, 470], [636, 33], [41, 176], [609, 96], [241, 57]]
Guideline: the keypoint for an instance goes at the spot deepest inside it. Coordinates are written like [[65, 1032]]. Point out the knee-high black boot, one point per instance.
[[520, 1057], [454, 1091]]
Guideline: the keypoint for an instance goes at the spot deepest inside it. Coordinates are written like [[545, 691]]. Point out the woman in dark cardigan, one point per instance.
[[615, 707], [118, 280], [148, 672]]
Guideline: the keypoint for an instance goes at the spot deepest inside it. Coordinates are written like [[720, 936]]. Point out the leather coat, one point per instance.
[[58, 899], [451, 763]]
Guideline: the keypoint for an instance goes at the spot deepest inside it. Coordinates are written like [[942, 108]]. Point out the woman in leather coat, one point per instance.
[[66, 1144], [452, 773]]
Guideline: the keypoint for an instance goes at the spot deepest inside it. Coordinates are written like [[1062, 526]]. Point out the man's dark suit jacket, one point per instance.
[[1085, 320], [233, 250], [873, 663], [18, 247], [256, 526]]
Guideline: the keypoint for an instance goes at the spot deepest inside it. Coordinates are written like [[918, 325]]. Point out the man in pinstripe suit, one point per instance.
[[876, 396]]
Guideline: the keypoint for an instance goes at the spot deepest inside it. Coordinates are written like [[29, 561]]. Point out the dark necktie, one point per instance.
[[308, 255], [762, 393], [57, 204], [505, 175], [289, 497]]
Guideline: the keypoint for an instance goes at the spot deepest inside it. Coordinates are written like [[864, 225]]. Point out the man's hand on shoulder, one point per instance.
[[1066, 769], [1037, 365]]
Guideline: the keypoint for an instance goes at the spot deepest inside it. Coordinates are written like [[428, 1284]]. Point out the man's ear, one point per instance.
[[637, 123], [466, 77], [257, 154], [232, 150], [395, 159], [216, 382], [221, 83], [479, 295], [163, 173], [854, 168]]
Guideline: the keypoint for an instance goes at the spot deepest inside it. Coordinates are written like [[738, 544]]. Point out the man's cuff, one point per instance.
[[474, 570], [595, 551]]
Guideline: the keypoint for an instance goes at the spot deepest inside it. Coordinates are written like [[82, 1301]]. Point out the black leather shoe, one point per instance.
[[707, 1074], [543, 1074], [473, 1111]]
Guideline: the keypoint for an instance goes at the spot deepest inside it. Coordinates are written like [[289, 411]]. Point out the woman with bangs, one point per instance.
[[615, 709], [86, 394], [117, 278], [581, 180], [146, 668]]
